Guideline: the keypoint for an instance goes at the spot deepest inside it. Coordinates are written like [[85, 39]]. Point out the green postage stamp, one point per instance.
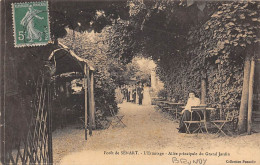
[[31, 23]]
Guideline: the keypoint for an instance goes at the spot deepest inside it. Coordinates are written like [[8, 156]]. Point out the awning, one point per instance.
[[66, 60]]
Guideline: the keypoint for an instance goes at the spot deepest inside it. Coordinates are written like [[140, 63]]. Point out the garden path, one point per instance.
[[147, 130]]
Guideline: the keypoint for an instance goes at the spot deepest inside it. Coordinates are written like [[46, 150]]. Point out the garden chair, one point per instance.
[[198, 123], [166, 108], [177, 112], [115, 120], [160, 105], [229, 119], [82, 122]]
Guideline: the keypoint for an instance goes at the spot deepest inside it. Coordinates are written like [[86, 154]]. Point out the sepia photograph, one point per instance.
[[130, 82]]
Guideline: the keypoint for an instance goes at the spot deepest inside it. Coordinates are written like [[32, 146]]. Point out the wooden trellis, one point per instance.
[[36, 146]]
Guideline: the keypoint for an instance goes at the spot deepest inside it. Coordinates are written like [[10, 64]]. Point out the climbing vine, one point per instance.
[[216, 51], [206, 40]]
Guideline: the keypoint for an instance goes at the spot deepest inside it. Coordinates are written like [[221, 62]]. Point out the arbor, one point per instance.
[[139, 69], [202, 40], [93, 46]]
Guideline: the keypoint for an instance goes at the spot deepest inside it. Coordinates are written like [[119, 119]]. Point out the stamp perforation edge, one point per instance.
[[14, 27]]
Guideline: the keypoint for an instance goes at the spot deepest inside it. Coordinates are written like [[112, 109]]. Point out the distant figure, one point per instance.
[[147, 98], [119, 95], [130, 89], [125, 92], [134, 94], [140, 93], [186, 113]]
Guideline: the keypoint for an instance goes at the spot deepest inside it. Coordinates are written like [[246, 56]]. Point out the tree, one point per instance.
[[109, 69], [198, 40], [85, 15]]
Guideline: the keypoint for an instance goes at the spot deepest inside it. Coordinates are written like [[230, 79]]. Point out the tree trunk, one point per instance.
[[250, 97], [203, 91], [244, 98]]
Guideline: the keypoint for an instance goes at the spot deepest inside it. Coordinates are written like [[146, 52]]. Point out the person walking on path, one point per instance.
[[131, 93], [119, 95], [147, 98], [124, 91], [140, 92], [134, 94]]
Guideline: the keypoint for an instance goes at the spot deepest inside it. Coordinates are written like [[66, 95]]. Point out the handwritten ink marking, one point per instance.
[[175, 160]]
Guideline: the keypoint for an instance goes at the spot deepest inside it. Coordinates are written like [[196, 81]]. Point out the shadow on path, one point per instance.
[[147, 130]]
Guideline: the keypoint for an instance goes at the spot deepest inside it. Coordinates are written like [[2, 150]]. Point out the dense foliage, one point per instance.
[[85, 15], [24, 65], [188, 41], [105, 53], [202, 40], [91, 46]]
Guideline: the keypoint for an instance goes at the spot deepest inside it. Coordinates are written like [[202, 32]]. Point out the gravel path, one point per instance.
[[147, 130]]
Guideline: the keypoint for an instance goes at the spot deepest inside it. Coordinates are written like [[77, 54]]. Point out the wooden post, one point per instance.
[[203, 91], [250, 96], [49, 123], [86, 100], [220, 91], [2, 84], [89, 103], [92, 100], [244, 98]]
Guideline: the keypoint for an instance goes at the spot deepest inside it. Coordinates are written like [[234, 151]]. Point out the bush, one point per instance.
[[162, 93]]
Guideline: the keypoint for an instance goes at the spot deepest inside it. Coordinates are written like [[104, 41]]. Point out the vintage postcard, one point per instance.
[[130, 82]]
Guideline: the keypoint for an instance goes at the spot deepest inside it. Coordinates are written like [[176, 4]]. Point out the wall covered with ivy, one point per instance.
[[216, 50]]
